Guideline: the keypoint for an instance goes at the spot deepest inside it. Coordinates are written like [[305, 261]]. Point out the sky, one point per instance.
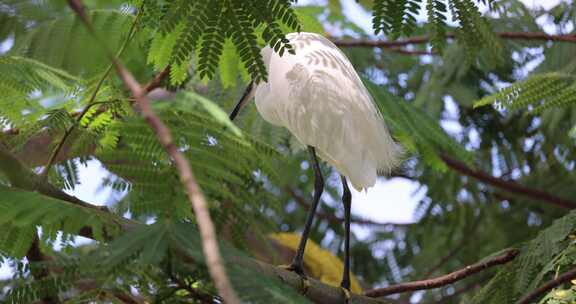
[[391, 200]]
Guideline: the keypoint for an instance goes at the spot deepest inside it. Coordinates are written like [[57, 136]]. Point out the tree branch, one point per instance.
[[425, 39], [403, 51], [317, 292], [445, 279], [509, 186], [157, 80], [540, 291], [34, 254], [195, 195]]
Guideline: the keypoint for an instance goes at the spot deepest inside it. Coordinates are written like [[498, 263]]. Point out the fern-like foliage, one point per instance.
[[436, 10], [61, 42], [537, 93], [474, 32], [19, 78], [138, 259], [398, 17], [22, 211], [231, 166], [51, 71], [199, 30], [538, 259], [395, 17]]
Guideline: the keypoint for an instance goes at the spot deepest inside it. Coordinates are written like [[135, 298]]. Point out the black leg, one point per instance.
[[297, 262], [347, 200], [248, 93]]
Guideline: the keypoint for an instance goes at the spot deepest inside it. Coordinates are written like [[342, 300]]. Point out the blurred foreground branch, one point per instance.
[[195, 196]]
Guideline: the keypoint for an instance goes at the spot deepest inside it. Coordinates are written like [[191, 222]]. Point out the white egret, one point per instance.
[[318, 96]]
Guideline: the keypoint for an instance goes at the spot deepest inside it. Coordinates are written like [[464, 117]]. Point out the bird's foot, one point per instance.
[[346, 293], [305, 283]]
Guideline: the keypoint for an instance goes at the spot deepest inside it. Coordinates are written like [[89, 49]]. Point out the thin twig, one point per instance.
[[509, 186], [195, 195], [445, 279], [91, 101], [425, 39], [157, 80], [540, 291]]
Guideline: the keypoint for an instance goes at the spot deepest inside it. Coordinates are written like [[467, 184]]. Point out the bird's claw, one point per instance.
[[346, 293], [305, 283]]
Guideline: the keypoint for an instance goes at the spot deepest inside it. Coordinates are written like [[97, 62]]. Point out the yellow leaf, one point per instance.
[[561, 294], [322, 264]]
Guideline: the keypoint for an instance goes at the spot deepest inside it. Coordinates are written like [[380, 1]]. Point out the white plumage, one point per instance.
[[318, 96]]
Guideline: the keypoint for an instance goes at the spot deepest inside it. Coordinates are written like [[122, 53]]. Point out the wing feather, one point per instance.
[[319, 97]]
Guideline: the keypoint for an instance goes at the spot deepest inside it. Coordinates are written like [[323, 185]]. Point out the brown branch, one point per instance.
[[380, 43], [35, 255], [317, 292], [537, 36], [540, 291], [195, 195], [509, 186], [157, 80], [445, 279], [403, 51], [425, 39]]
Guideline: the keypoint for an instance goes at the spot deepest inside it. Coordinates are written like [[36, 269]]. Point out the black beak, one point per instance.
[[245, 98]]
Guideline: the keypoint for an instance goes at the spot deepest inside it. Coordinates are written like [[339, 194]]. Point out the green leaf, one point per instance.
[[24, 209]]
